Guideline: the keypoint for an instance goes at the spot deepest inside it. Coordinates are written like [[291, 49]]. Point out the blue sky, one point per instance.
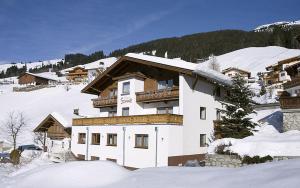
[[45, 29]]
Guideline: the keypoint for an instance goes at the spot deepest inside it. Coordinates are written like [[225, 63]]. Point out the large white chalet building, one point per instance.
[[152, 112]]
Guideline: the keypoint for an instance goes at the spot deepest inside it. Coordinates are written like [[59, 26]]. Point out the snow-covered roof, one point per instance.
[[61, 119], [107, 62], [212, 75], [165, 61], [43, 75]]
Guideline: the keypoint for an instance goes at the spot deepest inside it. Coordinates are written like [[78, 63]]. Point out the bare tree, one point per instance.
[[39, 138], [14, 126], [213, 63]]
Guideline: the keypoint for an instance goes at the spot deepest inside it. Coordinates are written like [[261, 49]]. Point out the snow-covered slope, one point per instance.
[[36, 105], [268, 27], [3, 67], [255, 59], [92, 174]]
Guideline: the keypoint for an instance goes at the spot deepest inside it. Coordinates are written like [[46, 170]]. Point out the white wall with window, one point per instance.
[[140, 144]]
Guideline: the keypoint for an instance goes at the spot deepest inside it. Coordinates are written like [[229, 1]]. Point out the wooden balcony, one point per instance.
[[158, 95], [290, 102], [106, 102], [293, 83], [130, 120]]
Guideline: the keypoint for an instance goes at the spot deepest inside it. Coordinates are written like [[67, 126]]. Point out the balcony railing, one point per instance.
[[158, 95], [130, 120], [290, 102], [104, 102], [293, 83]]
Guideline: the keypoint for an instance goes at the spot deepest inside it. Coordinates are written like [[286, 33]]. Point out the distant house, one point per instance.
[[290, 99], [97, 67], [77, 74], [276, 73], [35, 79], [57, 134], [233, 71]]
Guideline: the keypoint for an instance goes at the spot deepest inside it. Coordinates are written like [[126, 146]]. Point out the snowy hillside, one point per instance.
[[268, 27], [255, 59], [38, 64], [36, 105]]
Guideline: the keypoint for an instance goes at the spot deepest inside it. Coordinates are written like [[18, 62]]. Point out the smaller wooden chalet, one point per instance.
[[77, 74], [233, 71], [34, 79], [56, 132]]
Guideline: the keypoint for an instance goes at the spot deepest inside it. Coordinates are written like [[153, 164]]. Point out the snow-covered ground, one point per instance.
[[36, 105], [96, 174]]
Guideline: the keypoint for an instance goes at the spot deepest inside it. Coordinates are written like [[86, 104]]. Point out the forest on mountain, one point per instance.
[[189, 47]]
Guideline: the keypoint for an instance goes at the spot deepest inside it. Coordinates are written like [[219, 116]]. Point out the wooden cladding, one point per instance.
[[293, 83], [57, 132], [158, 95], [290, 102], [104, 102], [129, 120]]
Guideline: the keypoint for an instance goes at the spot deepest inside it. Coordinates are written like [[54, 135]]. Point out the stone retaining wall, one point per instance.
[[291, 120], [233, 161]]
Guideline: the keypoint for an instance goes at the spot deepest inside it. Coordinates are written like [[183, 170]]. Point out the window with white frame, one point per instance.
[[141, 141], [202, 140], [202, 113], [126, 88], [125, 111]]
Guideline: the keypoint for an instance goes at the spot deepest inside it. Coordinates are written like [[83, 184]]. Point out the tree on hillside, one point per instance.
[[213, 63], [236, 123]]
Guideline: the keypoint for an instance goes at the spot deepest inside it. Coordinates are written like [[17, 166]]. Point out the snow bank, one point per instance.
[[73, 174], [269, 175]]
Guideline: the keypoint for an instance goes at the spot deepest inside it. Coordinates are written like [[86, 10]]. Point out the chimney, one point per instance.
[[76, 111]]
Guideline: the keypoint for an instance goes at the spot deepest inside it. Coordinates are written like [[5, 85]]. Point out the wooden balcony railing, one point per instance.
[[106, 102], [293, 83], [130, 120], [158, 95], [290, 102]]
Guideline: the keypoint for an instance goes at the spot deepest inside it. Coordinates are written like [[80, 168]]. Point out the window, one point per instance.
[[126, 88], [112, 139], [165, 110], [94, 158], [218, 92], [202, 140], [141, 141], [112, 160], [218, 114], [125, 111], [282, 74], [52, 143], [63, 145], [81, 138], [113, 93], [81, 157], [112, 113], [95, 138], [202, 113], [164, 84]]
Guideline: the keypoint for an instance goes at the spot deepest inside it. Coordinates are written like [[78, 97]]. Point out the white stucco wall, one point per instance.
[[193, 126], [58, 146]]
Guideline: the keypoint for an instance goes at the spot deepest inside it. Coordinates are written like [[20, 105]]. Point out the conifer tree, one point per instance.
[[236, 123]]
